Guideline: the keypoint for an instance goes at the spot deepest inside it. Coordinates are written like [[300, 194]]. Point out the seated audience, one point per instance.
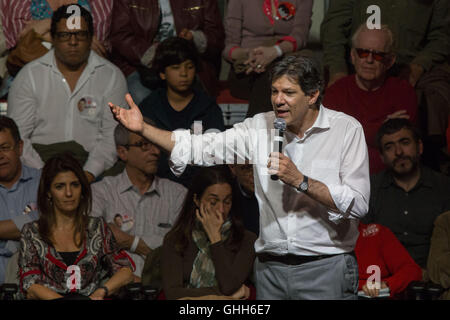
[[208, 251], [420, 29], [22, 16], [245, 195], [140, 206], [67, 253], [370, 95], [378, 246], [59, 101], [256, 33], [18, 191], [407, 196], [438, 266], [139, 28], [178, 105]]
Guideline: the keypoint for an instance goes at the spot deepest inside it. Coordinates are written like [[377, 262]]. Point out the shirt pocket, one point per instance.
[[325, 171], [88, 108]]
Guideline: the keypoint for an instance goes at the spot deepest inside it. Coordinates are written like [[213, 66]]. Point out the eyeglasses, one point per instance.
[[144, 145], [66, 36], [376, 55], [4, 149]]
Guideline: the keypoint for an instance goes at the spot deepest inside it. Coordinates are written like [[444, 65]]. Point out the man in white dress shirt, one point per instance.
[[62, 96], [309, 216]]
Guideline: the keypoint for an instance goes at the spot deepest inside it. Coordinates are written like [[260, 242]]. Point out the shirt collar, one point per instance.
[[125, 184], [24, 177], [94, 61], [322, 123], [425, 179]]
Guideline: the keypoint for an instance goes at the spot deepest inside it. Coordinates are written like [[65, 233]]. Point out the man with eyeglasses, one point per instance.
[[18, 193], [148, 205], [421, 30], [370, 95], [45, 97]]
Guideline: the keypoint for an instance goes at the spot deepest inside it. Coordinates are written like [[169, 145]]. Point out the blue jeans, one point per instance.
[[334, 278], [137, 90]]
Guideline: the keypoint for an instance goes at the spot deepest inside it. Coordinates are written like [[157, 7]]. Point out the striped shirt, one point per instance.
[[149, 216], [15, 14]]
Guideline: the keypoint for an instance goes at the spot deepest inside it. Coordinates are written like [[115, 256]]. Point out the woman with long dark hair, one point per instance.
[[67, 252], [208, 251]]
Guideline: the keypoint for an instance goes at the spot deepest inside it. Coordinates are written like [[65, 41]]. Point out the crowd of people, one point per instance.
[[116, 165]]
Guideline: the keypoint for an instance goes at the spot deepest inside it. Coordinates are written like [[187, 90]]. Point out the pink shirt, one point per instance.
[[249, 24]]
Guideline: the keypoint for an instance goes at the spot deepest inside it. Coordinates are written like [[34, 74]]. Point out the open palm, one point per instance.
[[131, 118]]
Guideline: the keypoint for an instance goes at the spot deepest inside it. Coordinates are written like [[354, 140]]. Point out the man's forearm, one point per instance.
[[161, 138], [8, 230], [320, 192]]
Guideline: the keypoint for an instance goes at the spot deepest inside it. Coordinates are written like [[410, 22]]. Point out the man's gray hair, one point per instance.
[[122, 134], [389, 45]]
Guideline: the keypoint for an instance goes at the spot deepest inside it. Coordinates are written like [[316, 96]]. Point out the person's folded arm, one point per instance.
[[401, 266], [438, 265], [172, 276], [22, 108], [335, 33], [351, 195], [213, 29], [232, 269], [233, 28], [437, 39], [298, 37], [31, 280], [104, 154], [123, 38]]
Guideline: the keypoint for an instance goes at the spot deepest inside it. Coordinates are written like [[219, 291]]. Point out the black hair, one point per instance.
[[394, 125], [8, 123], [181, 233], [302, 70], [175, 50], [63, 12]]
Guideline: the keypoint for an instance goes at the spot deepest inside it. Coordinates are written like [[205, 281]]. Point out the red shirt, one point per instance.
[[371, 108], [377, 245]]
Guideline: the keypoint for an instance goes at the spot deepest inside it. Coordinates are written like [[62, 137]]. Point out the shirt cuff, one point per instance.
[[94, 167], [291, 40], [200, 40], [342, 199], [147, 58], [23, 219], [181, 152]]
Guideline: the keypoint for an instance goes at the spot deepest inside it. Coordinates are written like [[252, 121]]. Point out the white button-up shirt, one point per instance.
[[47, 111], [333, 151]]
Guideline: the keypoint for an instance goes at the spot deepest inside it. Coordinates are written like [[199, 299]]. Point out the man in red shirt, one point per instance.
[[370, 95]]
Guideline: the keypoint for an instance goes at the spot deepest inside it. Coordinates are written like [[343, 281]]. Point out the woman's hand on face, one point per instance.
[[211, 220]]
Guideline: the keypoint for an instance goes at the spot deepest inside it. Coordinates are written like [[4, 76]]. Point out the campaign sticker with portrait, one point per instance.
[[87, 106], [124, 222], [285, 10]]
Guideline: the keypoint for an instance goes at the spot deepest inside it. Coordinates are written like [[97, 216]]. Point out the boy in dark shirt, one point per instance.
[[178, 103]]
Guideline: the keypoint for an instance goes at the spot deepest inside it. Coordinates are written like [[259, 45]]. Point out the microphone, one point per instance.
[[280, 125]]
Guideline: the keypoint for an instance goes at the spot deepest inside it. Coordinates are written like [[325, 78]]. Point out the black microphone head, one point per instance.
[[280, 124]]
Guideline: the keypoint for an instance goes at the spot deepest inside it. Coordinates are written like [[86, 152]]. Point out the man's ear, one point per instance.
[[353, 55], [420, 146], [162, 75], [313, 97], [20, 144], [122, 152], [392, 59]]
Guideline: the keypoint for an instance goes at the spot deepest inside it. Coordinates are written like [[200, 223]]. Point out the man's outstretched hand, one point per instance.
[[131, 118]]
